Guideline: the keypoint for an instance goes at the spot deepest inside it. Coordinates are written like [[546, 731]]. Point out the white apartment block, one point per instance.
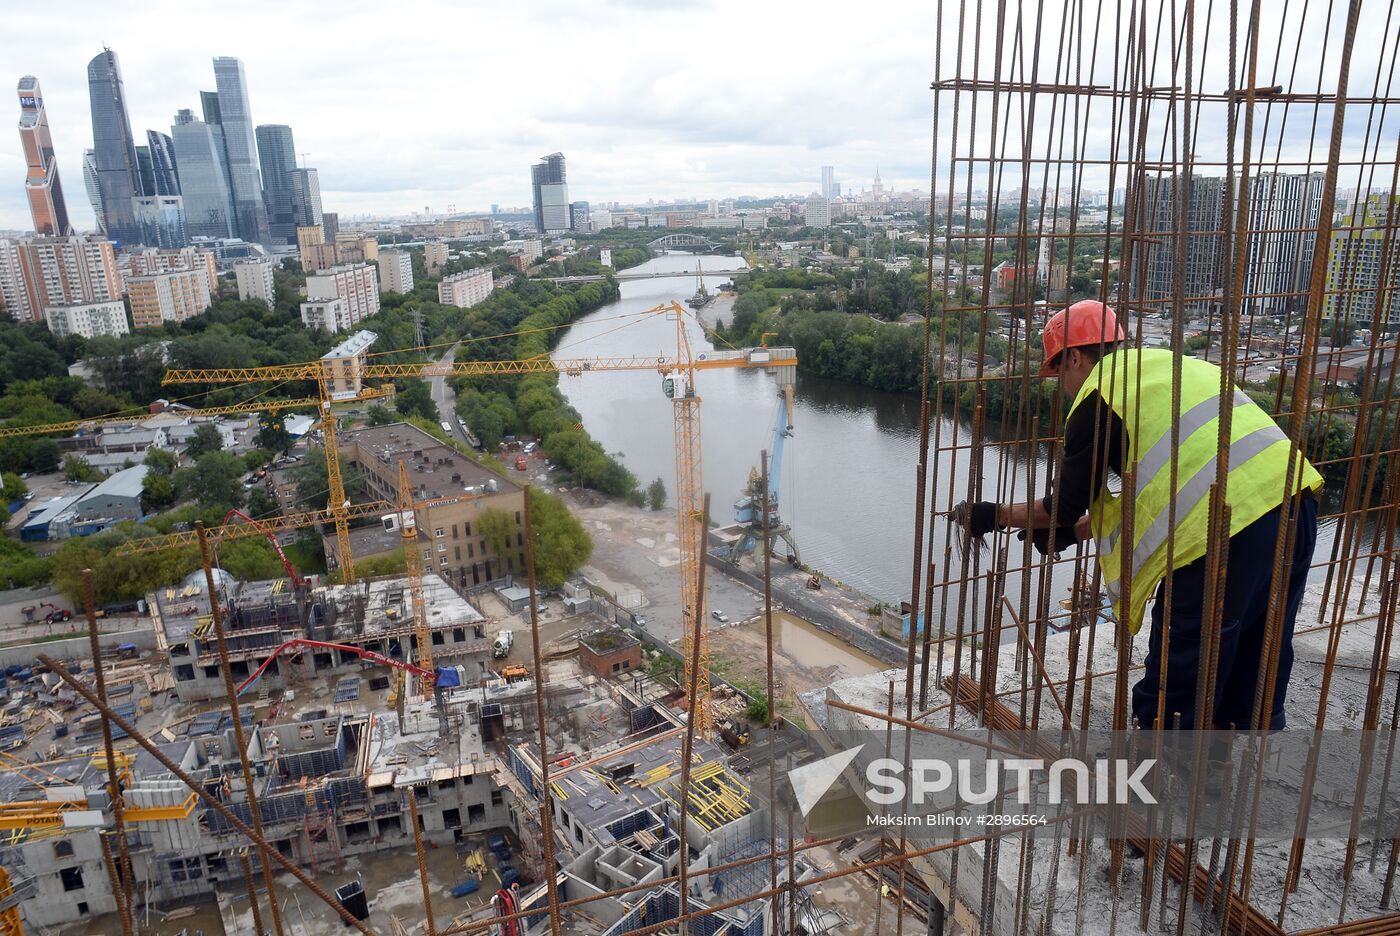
[[531, 249], [254, 278], [356, 283], [167, 297], [88, 319], [817, 212], [395, 271], [38, 272], [150, 260], [465, 290], [331, 314]]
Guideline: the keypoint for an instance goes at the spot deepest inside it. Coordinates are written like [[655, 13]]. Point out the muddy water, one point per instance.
[[816, 649]]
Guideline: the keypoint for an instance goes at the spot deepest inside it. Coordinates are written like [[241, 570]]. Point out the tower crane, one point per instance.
[[748, 509], [678, 374]]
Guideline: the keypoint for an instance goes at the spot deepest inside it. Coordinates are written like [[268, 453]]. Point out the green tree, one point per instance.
[[45, 456], [379, 415], [413, 397], [261, 504], [206, 438], [313, 484], [656, 494], [214, 482], [76, 468], [160, 462], [272, 433], [561, 544], [12, 488], [157, 492]]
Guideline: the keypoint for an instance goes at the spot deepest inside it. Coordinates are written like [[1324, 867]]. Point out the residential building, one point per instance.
[[204, 176], [88, 319], [356, 247], [343, 363], [318, 252], [1283, 215], [434, 257], [529, 250], [458, 490], [829, 188], [817, 212], [465, 290], [1355, 261], [150, 260], [306, 199], [356, 283], [602, 219], [254, 277], [118, 176], [277, 155], [167, 297], [241, 146], [395, 271], [165, 175], [579, 217], [1154, 278], [39, 272], [331, 314], [551, 194], [161, 220], [41, 183]]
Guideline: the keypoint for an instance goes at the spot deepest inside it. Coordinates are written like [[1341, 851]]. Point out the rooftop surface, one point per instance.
[[435, 469], [351, 346]]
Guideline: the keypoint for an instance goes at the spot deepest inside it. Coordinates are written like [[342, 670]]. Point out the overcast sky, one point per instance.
[[413, 104]]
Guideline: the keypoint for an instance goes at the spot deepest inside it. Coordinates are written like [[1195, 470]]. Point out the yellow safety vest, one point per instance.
[[1138, 387]]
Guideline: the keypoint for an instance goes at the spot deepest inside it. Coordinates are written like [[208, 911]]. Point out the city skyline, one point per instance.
[[629, 133]]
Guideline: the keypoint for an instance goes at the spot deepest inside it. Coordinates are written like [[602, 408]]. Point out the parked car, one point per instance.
[[720, 616]]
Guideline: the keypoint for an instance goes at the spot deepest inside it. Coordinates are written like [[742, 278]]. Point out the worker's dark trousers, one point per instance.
[[1248, 599]]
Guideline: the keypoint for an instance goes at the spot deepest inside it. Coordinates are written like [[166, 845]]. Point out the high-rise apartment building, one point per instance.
[[277, 155], [306, 199], [1153, 277], [38, 272], [434, 257], [395, 271], [817, 212], [1283, 215], [118, 174], [164, 172], [355, 283], [148, 261], [41, 184], [254, 278], [551, 194], [465, 290], [240, 143], [167, 297], [88, 319], [1354, 264], [829, 189], [204, 178], [331, 314]]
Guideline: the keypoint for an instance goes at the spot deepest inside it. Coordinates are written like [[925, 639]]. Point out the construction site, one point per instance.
[[456, 750]]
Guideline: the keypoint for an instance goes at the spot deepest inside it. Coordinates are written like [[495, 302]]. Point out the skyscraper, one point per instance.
[[118, 178], [277, 156], [94, 194], [241, 146], [204, 176], [163, 164], [829, 182], [306, 198], [1282, 209], [1158, 213], [41, 183], [551, 194]]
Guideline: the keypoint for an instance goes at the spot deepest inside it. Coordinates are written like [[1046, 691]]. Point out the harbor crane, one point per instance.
[[678, 373], [748, 509]]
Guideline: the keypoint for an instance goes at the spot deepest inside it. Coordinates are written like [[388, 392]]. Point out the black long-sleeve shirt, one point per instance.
[[1094, 441]]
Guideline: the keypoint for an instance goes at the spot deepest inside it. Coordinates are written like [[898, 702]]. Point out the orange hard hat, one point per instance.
[[1088, 322]]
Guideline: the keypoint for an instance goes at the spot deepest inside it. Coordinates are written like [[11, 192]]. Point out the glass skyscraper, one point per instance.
[[551, 194], [163, 164], [241, 146], [118, 176], [306, 199], [204, 177], [94, 194], [278, 157], [41, 183]]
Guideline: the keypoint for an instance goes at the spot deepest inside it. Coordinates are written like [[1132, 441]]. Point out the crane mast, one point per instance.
[[413, 563]]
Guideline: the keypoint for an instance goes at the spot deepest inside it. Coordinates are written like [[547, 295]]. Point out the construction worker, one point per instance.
[[1120, 418]]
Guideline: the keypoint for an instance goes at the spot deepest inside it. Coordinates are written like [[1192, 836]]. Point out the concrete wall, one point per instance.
[[75, 648]]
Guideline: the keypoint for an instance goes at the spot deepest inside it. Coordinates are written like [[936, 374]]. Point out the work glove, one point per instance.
[[978, 519], [1048, 541]]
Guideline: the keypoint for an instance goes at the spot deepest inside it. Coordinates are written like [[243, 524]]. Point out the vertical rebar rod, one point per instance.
[[247, 868], [422, 863]]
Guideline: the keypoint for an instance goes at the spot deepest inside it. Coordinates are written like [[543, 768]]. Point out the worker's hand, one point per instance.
[[1082, 530], [1050, 542], [978, 519]]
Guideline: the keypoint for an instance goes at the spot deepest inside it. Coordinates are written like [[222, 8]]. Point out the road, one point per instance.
[[446, 400]]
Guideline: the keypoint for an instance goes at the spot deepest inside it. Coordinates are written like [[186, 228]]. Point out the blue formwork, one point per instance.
[[496, 842], [465, 888]]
